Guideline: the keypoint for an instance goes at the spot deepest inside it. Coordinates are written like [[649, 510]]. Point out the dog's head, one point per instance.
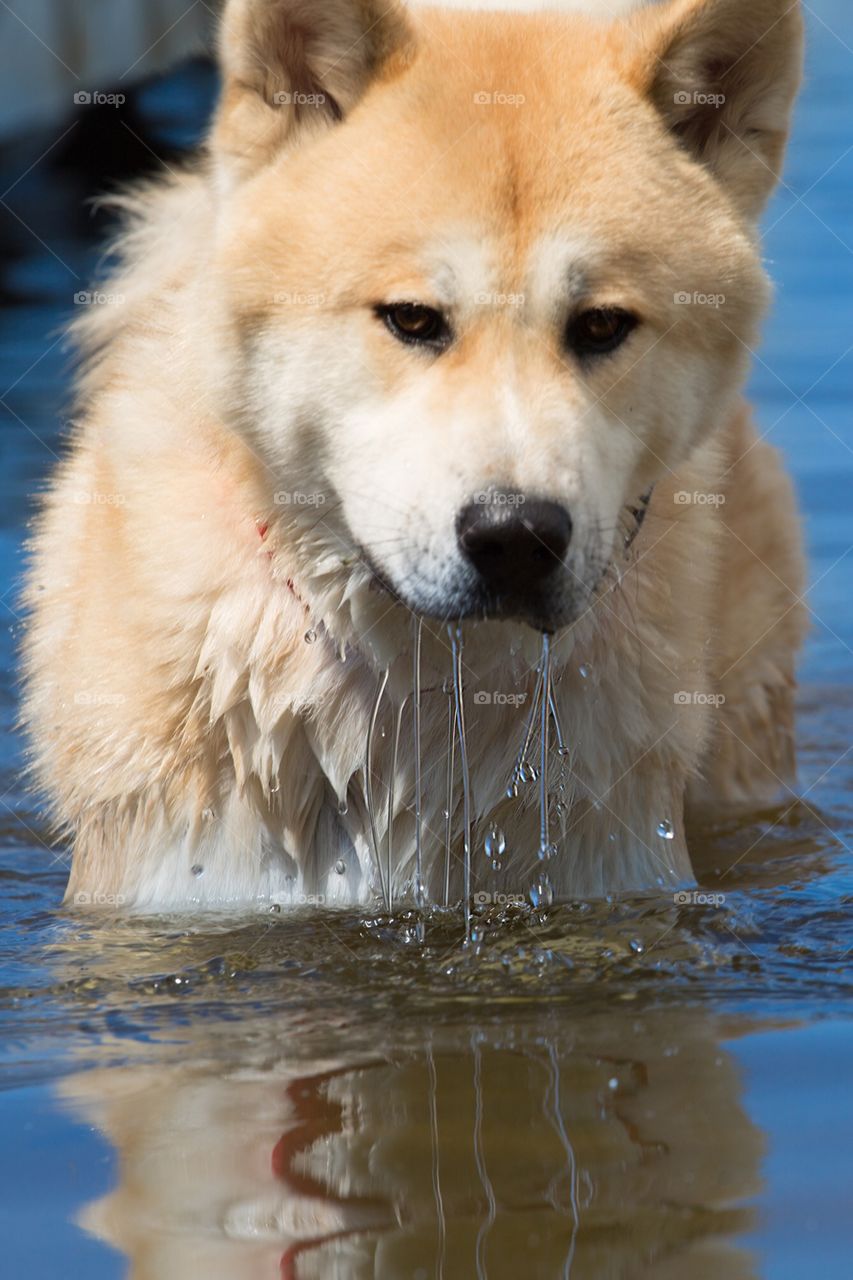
[[493, 275]]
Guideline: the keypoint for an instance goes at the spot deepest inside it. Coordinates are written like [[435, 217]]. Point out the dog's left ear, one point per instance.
[[724, 75], [291, 67]]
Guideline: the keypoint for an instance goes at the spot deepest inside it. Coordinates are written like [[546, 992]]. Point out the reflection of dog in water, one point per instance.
[[619, 1150]]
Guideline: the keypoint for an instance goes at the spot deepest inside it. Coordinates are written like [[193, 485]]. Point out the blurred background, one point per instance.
[[97, 93]]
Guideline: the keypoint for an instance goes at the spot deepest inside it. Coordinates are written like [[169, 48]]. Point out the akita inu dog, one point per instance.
[[450, 322]]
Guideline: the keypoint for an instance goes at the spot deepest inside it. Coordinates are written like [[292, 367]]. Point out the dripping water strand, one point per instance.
[[562, 747], [448, 812], [546, 699], [521, 759], [368, 789], [456, 647], [417, 627], [389, 844]]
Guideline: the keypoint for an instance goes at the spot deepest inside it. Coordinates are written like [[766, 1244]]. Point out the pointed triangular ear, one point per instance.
[[724, 75], [295, 65]]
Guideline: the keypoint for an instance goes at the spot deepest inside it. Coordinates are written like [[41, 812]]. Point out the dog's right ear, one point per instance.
[[291, 66]]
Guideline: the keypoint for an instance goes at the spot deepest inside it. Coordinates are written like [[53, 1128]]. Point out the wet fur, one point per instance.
[[178, 718]]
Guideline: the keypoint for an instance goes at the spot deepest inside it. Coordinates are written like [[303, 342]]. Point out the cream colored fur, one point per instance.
[[194, 745]]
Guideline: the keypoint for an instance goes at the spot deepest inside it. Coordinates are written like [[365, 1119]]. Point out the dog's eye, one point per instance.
[[416, 324], [599, 331]]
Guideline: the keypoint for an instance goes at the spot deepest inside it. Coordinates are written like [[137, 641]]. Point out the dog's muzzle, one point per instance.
[[513, 548]]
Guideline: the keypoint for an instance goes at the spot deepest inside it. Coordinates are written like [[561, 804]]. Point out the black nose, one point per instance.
[[514, 542]]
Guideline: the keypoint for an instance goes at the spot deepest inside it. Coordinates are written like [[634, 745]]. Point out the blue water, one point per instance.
[[562, 1104]]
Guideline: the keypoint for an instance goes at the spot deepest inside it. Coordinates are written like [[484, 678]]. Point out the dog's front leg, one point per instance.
[[626, 836]]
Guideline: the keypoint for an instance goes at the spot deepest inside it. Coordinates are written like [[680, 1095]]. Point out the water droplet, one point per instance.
[[665, 829], [541, 893], [340, 867], [612, 837], [208, 815], [447, 686], [636, 946], [613, 1083], [546, 852], [528, 772], [564, 750], [275, 908], [343, 807], [512, 791], [310, 636], [197, 869], [496, 864], [583, 671], [495, 844], [274, 786]]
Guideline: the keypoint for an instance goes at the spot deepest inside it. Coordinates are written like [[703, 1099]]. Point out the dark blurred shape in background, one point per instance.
[[93, 95]]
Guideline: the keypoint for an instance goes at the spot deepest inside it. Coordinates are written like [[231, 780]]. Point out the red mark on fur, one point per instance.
[[262, 527]]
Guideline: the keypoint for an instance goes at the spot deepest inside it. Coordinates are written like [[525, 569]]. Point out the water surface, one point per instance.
[[634, 1089]]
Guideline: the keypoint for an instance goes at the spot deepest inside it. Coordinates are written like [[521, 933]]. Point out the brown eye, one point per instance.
[[599, 331], [416, 324]]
